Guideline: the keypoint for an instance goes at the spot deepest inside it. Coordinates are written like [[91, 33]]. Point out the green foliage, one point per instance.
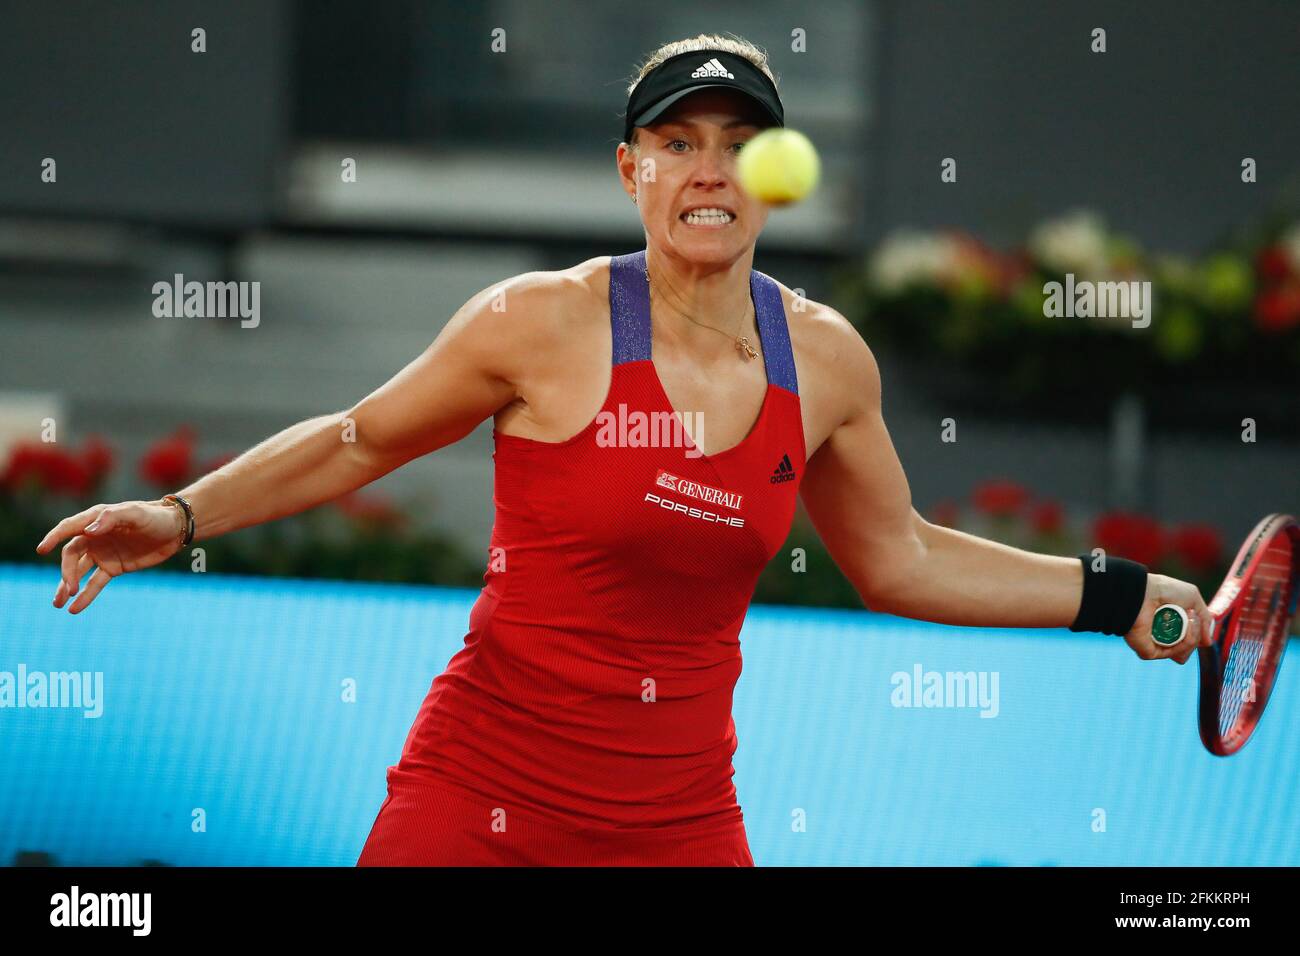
[[820, 584], [959, 305]]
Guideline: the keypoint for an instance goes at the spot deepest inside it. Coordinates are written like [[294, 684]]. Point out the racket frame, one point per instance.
[[1229, 600]]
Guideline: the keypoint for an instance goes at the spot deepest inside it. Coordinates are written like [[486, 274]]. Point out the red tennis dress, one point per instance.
[[587, 719]]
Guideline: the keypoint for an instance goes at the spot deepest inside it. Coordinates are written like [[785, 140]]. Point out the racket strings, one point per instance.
[[1255, 641]]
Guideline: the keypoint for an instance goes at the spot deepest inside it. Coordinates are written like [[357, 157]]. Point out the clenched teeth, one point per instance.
[[708, 217]]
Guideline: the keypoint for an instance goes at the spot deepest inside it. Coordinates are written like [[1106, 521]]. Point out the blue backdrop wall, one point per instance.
[[225, 695]]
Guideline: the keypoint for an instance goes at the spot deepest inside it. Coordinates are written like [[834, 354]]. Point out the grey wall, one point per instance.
[[1150, 133], [337, 321], [141, 127]]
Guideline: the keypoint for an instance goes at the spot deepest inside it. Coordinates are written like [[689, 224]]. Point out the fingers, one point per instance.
[[1200, 622], [1207, 621], [1199, 631], [62, 593], [1181, 651], [82, 531], [74, 524], [111, 518], [96, 584], [72, 553]]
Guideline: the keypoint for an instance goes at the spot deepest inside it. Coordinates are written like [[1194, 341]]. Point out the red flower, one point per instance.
[[46, 467], [26, 465], [1199, 546], [974, 260], [374, 511], [1272, 264], [1131, 536], [1047, 517], [1000, 498], [169, 462], [944, 514], [1014, 269], [1278, 309]]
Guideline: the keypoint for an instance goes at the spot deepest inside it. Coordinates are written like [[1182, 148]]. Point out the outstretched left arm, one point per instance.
[[858, 498]]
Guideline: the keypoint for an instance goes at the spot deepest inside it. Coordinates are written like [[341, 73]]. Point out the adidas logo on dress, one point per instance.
[[712, 68], [783, 472]]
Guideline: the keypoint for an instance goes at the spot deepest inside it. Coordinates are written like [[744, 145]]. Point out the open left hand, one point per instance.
[[112, 539]]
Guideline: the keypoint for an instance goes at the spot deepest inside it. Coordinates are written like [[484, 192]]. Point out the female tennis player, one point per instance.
[[587, 719]]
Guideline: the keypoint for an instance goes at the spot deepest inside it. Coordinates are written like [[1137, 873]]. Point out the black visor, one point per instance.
[[685, 73]]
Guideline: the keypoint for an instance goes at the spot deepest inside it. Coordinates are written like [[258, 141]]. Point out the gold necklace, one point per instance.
[[742, 341]]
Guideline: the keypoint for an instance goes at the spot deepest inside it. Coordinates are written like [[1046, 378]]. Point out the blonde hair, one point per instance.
[[704, 41]]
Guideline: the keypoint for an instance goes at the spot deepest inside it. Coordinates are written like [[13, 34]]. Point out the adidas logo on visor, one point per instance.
[[712, 68]]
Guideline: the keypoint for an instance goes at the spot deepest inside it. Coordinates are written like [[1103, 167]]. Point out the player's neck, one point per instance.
[[718, 297]]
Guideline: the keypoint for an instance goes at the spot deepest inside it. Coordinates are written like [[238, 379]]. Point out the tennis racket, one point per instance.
[[1252, 614]]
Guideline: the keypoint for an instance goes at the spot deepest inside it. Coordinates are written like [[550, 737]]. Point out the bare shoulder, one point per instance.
[[535, 317], [531, 303], [838, 374]]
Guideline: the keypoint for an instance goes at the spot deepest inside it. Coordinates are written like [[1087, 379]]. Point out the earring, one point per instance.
[[634, 200]]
